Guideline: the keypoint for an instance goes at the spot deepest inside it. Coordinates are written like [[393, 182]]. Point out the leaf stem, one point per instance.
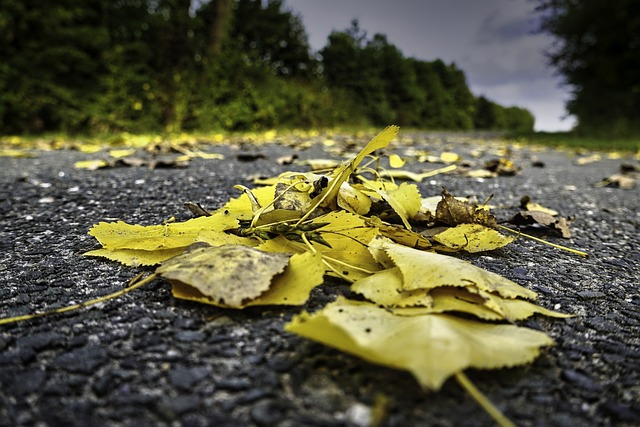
[[564, 248], [84, 304], [482, 400]]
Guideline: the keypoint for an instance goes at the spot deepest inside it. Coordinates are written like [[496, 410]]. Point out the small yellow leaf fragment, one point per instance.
[[91, 164], [229, 275], [449, 157], [395, 161], [473, 238], [431, 347], [120, 153]]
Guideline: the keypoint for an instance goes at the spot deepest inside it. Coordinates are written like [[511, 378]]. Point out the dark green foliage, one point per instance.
[[598, 53], [159, 65]]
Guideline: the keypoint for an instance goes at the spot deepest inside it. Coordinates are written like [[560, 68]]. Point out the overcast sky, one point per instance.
[[493, 41]]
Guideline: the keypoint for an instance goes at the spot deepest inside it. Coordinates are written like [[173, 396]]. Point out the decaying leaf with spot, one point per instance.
[[228, 275], [432, 347]]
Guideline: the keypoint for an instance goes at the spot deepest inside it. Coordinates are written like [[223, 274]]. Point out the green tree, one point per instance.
[[49, 68], [598, 53]]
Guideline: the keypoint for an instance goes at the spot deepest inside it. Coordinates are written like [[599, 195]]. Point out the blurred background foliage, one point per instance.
[[177, 65]]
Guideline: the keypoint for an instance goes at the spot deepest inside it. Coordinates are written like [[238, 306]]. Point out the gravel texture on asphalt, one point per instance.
[[147, 359]]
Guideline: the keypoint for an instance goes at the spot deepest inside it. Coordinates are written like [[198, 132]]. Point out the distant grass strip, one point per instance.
[[572, 140]]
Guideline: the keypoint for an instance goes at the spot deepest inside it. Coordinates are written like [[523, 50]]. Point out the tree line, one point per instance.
[[597, 52], [165, 65]]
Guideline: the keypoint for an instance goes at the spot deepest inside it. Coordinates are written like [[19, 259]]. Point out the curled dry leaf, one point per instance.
[[452, 211]]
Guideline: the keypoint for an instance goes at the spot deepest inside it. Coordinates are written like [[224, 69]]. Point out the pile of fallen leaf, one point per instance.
[[417, 308]]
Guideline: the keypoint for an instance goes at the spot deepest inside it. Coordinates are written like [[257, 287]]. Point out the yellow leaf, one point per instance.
[[293, 287], [240, 207], [137, 257], [405, 199], [342, 173], [229, 275], [385, 288], [427, 270], [449, 157], [348, 236], [353, 200], [396, 161], [120, 235], [120, 153], [12, 152], [219, 238], [91, 164], [460, 300], [431, 347], [472, 238]]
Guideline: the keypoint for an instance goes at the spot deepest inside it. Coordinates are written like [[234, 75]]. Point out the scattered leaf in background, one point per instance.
[[625, 180], [556, 223], [527, 204], [502, 167]]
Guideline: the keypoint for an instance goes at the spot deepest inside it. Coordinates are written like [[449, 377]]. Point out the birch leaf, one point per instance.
[[431, 347], [405, 199], [120, 235], [385, 288], [449, 299], [137, 257], [427, 270], [228, 275]]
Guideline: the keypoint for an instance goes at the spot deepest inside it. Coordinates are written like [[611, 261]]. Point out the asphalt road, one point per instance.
[[148, 359]]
